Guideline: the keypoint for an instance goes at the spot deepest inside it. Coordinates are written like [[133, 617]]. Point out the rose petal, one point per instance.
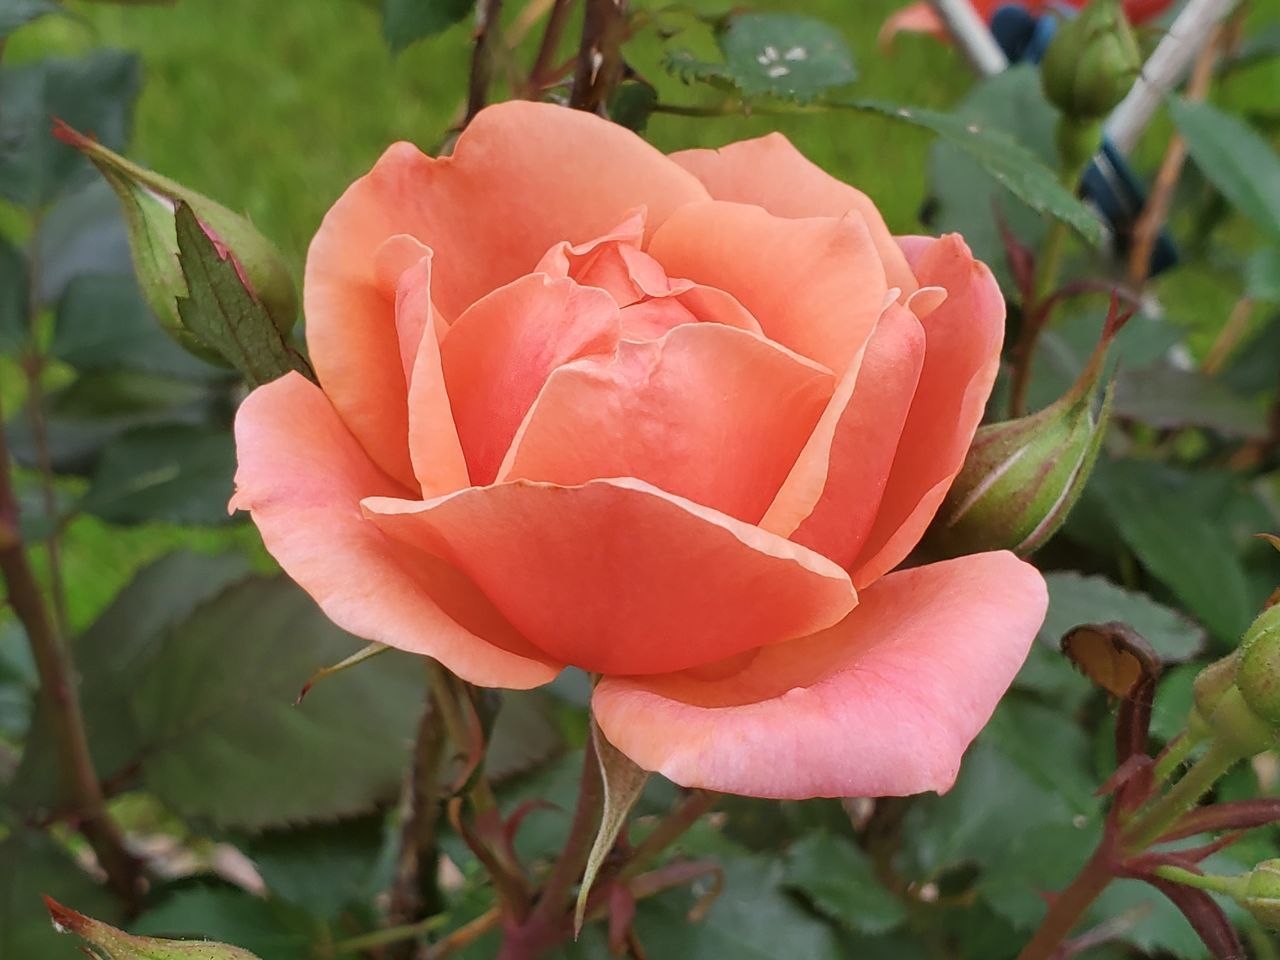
[[434, 448], [771, 173], [615, 576], [498, 354], [302, 475], [883, 704], [962, 352], [816, 286], [830, 499], [710, 413], [522, 177]]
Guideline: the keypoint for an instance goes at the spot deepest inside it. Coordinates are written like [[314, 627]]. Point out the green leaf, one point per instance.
[[404, 21], [1010, 785], [14, 298], [95, 93], [1015, 167], [752, 919], [1171, 532], [964, 198], [524, 734], [228, 744], [321, 868], [1262, 275], [117, 945], [780, 55], [839, 879], [82, 233], [112, 656], [16, 13], [31, 864], [270, 928], [225, 315], [1075, 598], [1234, 158], [97, 407], [169, 474], [1166, 397], [103, 323], [623, 781]]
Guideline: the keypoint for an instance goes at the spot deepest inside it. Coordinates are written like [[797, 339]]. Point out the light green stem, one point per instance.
[[381, 938], [1148, 826], [1228, 886]]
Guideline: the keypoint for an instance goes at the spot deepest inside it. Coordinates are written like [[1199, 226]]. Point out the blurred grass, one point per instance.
[[274, 107]]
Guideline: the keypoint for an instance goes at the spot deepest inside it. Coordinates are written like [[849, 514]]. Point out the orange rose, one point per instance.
[[671, 420]]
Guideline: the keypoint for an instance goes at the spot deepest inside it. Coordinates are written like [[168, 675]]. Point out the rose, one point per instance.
[[669, 420], [921, 18]]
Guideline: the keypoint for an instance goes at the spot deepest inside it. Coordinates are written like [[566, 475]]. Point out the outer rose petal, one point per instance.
[[883, 704], [816, 286], [617, 577], [710, 413], [302, 475], [498, 354], [771, 173], [830, 499], [962, 352]]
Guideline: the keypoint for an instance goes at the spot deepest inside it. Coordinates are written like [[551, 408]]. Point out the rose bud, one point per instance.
[[1259, 673], [1210, 685], [1022, 477], [1092, 62], [1261, 896], [149, 200]]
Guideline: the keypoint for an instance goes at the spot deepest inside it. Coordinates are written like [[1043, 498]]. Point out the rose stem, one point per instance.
[[488, 16], [691, 809], [600, 65], [551, 35], [61, 699], [413, 892]]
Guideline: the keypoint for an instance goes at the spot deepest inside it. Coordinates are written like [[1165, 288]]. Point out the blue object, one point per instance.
[[1109, 184]]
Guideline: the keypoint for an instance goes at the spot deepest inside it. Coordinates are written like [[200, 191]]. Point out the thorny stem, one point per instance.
[[551, 34], [1069, 906], [1145, 829], [670, 830], [488, 23], [557, 891], [600, 65], [413, 892], [61, 699]]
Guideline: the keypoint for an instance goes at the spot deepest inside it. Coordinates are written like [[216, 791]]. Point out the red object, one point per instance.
[[920, 18]]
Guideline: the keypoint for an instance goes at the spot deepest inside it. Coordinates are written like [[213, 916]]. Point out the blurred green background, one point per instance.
[[273, 107]]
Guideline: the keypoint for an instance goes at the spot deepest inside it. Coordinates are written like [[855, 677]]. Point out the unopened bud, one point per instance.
[[149, 202], [1261, 895], [1259, 674], [1092, 62], [1210, 685], [1022, 477]]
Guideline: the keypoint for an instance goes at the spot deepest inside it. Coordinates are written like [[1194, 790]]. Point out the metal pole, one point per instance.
[[970, 34]]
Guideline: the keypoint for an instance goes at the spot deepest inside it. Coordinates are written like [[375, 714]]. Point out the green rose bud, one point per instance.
[[1092, 62], [149, 202], [1261, 896], [1259, 674], [1022, 477], [1211, 684]]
